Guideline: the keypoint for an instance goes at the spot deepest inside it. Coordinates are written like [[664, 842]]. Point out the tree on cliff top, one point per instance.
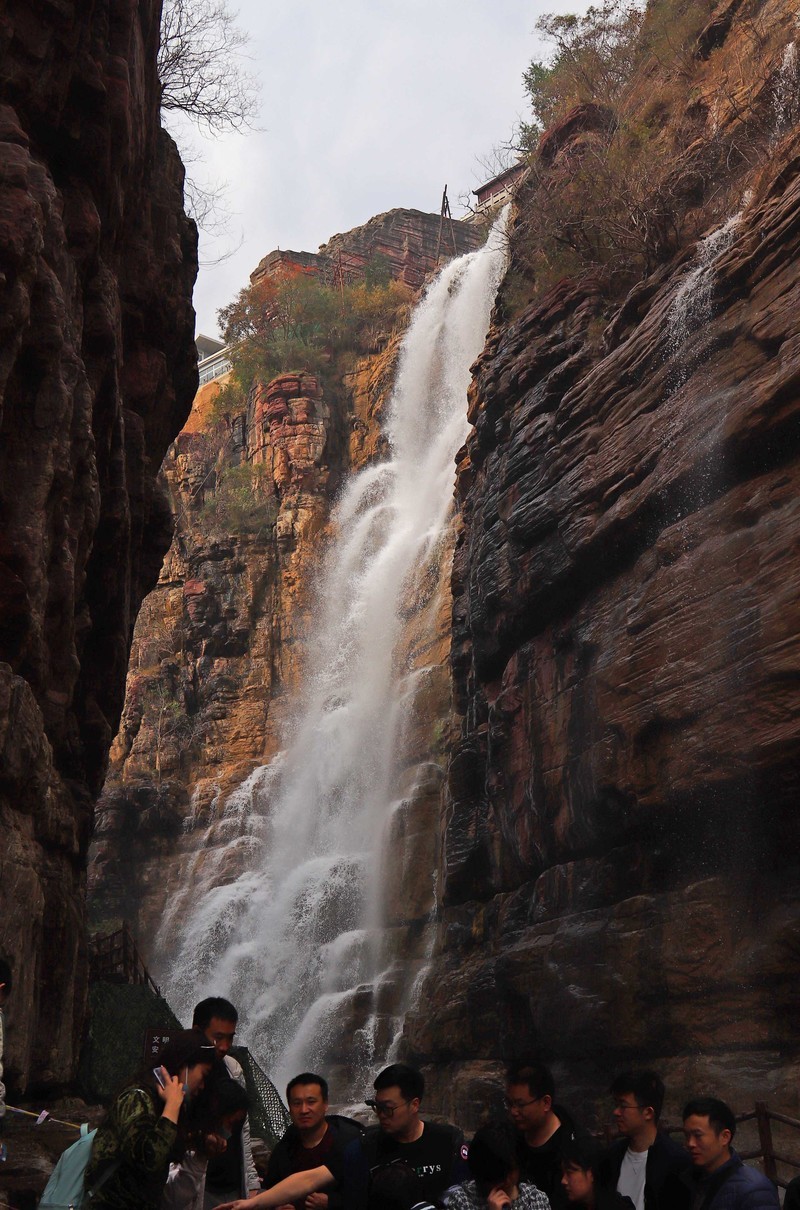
[[593, 60], [296, 321], [200, 65]]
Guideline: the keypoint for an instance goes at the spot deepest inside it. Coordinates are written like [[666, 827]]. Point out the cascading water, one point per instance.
[[691, 306], [786, 96], [295, 934]]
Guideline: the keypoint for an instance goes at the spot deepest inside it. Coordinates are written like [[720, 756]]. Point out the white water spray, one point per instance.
[[292, 937], [691, 306], [786, 95]]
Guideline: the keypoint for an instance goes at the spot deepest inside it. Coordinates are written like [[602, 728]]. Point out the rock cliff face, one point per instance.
[[616, 840], [406, 244], [97, 371], [620, 874], [218, 648]]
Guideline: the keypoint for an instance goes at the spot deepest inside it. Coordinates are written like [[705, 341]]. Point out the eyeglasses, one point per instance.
[[382, 1109], [623, 1105], [521, 1104]]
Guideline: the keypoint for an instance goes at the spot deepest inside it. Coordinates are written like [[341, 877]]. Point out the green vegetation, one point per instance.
[[296, 321], [636, 142], [594, 60], [239, 503]]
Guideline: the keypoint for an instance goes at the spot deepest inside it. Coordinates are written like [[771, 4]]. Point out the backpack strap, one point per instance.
[[101, 1180]]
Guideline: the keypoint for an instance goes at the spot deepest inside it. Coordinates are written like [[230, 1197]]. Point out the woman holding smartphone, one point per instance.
[[146, 1128]]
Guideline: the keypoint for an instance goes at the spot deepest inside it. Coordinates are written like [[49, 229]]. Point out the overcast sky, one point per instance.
[[365, 105]]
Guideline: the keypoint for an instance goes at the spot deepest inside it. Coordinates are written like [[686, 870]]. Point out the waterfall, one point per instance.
[[691, 306], [292, 939], [786, 93]]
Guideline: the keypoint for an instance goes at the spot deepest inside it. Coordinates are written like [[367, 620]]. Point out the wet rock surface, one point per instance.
[[97, 371], [620, 870], [218, 651]]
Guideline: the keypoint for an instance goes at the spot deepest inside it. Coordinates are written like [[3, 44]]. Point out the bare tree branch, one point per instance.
[[200, 65]]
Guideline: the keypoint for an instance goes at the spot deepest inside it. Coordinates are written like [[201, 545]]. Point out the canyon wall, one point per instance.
[[97, 372], [219, 647], [620, 876], [610, 868]]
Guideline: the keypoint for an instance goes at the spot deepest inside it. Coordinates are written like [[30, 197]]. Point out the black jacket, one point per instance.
[[665, 1158], [282, 1163], [609, 1199], [542, 1165]]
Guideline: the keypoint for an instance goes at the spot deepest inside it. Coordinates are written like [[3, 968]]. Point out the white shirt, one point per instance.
[[631, 1177]]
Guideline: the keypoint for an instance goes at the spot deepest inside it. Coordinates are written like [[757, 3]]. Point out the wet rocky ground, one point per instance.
[[32, 1150]]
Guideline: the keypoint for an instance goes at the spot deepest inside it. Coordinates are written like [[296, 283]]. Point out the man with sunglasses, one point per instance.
[[432, 1154], [542, 1128], [435, 1152]]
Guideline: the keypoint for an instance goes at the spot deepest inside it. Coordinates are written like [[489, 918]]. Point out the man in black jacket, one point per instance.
[[542, 1128], [639, 1164], [314, 1138], [433, 1151]]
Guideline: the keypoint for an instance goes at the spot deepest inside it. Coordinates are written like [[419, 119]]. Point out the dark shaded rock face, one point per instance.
[[97, 371], [621, 873]]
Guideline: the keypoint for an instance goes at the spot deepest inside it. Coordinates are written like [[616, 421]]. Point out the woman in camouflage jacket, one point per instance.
[[146, 1129]]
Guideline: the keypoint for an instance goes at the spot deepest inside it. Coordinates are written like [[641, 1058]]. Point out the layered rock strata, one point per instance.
[[408, 245], [620, 873], [97, 371]]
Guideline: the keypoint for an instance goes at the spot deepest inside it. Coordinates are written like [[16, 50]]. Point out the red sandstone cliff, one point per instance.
[[620, 865], [618, 880], [97, 371]]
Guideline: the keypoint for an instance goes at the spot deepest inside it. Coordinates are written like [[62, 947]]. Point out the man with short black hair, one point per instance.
[[433, 1150], [639, 1164], [542, 1127], [314, 1137], [717, 1178], [434, 1153], [232, 1174]]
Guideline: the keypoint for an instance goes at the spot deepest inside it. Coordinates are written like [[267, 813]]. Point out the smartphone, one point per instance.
[[159, 1076]]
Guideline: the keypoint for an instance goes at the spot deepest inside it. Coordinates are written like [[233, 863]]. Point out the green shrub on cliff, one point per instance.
[[238, 503], [629, 159], [594, 59], [296, 321]]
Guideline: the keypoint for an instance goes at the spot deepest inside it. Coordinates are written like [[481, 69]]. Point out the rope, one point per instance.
[[44, 1116]]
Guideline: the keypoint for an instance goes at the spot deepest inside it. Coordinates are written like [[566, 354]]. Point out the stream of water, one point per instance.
[[296, 931]]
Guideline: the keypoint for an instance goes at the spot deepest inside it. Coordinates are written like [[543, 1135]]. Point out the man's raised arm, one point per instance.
[[292, 1189]]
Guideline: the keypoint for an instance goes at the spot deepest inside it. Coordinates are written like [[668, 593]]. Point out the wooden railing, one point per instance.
[[115, 958]]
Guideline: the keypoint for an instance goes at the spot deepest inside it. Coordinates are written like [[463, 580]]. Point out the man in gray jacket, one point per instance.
[[233, 1174]]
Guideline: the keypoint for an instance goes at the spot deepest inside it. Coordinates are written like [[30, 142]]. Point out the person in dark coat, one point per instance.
[[147, 1127], [640, 1162], [717, 1178], [312, 1138], [542, 1127]]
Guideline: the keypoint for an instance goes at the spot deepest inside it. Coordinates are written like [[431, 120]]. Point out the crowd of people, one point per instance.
[[178, 1139]]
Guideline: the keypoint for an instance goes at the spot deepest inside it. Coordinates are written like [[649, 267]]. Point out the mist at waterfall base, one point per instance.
[[297, 931]]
